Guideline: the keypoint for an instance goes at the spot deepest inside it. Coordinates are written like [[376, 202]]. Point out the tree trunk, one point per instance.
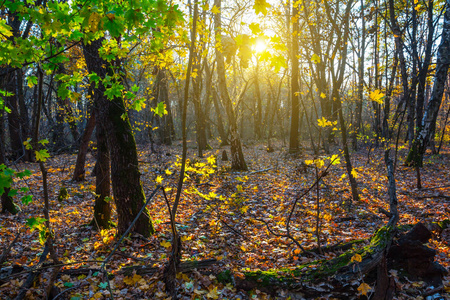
[[79, 173], [295, 89], [237, 156], [417, 151], [102, 206], [360, 99], [7, 201], [126, 184]]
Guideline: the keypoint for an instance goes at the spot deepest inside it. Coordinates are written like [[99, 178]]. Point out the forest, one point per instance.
[[225, 149]]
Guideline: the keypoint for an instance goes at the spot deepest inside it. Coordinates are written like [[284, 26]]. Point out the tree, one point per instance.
[[295, 89], [237, 156], [127, 186], [417, 151]]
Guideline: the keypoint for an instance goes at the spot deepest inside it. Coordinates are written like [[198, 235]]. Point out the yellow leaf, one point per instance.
[[98, 295], [261, 6], [213, 294], [364, 288], [323, 96], [94, 19], [199, 292], [159, 179], [215, 10], [315, 58], [166, 244], [356, 258], [254, 27], [376, 96], [309, 162]]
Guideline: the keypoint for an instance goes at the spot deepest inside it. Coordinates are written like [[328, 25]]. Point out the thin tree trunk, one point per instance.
[[237, 157], [295, 88], [79, 172]]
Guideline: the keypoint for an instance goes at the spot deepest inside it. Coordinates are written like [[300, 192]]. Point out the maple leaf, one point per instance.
[[364, 288], [261, 6], [315, 58], [215, 10], [166, 244], [377, 96], [354, 173], [213, 294]]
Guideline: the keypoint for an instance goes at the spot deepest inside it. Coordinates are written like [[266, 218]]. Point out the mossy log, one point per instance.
[[335, 276]]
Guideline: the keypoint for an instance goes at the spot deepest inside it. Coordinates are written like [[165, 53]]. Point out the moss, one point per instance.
[[444, 224], [63, 194], [225, 277]]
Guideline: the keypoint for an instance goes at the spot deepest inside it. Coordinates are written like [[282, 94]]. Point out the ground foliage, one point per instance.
[[220, 217]]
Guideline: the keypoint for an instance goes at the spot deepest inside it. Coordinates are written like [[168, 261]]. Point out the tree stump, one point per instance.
[[416, 258]]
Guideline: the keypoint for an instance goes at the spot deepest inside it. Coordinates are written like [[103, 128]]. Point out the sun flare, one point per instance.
[[259, 46]]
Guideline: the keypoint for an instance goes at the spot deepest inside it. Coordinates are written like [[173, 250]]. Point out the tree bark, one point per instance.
[[102, 206], [126, 184], [79, 172], [295, 88], [417, 151], [237, 157]]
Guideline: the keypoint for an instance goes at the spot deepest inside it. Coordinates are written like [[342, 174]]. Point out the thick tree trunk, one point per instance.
[[79, 173], [7, 201], [126, 184], [415, 155]]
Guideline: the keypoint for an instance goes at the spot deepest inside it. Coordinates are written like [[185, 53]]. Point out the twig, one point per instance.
[[433, 291]]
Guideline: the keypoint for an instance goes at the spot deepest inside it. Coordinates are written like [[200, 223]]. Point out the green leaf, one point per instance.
[[24, 173], [12, 192], [35, 223], [27, 199], [135, 88], [103, 285], [68, 284], [43, 142], [32, 81], [160, 109], [42, 155], [138, 104]]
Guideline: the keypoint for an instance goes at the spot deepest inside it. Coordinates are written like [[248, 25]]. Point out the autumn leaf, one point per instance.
[[213, 294], [354, 173], [215, 10], [356, 258], [377, 96], [364, 288], [315, 58], [166, 244], [261, 6]]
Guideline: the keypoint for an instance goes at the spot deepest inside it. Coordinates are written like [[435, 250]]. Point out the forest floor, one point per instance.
[[219, 217]]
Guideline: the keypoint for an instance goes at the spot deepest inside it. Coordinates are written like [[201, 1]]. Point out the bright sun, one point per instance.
[[260, 46]]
